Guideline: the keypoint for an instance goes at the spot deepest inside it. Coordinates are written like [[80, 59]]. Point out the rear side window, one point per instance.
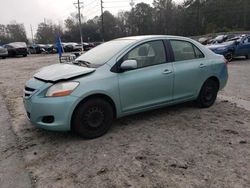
[[184, 50], [198, 53]]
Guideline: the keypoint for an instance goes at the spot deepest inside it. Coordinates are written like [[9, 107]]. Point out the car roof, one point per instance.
[[143, 37]]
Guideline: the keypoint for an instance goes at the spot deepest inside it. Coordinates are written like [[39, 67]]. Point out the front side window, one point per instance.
[[185, 50], [147, 54]]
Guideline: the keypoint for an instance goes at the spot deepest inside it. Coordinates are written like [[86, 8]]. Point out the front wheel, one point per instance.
[[92, 118], [208, 94], [229, 56]]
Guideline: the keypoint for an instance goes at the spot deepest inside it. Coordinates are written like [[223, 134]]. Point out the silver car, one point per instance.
[[3, 52]]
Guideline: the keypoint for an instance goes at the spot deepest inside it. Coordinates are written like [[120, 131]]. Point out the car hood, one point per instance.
[[222, 45], [59, 72]]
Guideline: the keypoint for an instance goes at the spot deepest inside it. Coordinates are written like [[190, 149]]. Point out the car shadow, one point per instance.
[[237, 59], [155, 113], [121, 123]]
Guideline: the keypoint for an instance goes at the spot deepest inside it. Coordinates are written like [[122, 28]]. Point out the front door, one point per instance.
[[243, 49], [151, 83]]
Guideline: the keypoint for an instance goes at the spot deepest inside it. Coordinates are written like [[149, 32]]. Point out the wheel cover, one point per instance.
[[94, 117], [229, 56], [208, 93]]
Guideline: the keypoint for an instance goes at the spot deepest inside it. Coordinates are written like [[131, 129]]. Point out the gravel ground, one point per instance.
[[179, 146]]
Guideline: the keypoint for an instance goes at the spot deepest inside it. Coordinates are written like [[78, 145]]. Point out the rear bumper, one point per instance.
[[223, 77], [17, 51]]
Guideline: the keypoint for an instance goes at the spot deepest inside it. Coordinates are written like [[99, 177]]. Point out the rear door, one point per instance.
[[190, 67], [151, 84]]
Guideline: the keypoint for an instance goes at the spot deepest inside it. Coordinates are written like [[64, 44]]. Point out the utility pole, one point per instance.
[[32, 34], [78, 6], [132, 4], [102, 20]]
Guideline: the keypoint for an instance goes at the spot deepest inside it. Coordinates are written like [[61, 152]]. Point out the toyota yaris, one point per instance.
[[122, 77]]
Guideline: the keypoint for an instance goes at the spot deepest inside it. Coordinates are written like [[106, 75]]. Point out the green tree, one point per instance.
[[13, 32], [141, 19], [47, 33]]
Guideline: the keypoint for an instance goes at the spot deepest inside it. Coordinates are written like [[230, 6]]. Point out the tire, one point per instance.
[[248, 56], [229, 56], [208, 94], [24, 55], [3, 57], [92, 118]]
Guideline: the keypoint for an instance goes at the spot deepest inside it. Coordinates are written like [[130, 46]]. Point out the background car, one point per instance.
[[3, 52], [238, 46], [16, 49], [71, 47], [122, 77], [42, 49]]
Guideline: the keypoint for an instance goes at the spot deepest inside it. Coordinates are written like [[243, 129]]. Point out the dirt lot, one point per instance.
[[180, 146]]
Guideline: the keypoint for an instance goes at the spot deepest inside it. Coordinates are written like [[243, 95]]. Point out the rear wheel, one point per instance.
[[208, 94], [248, 56], [92, 118], [229, 56]]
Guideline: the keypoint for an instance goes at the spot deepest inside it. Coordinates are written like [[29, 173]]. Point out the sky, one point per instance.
[[33, 12]]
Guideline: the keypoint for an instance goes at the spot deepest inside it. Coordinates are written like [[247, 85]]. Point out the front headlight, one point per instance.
[[61, 89]]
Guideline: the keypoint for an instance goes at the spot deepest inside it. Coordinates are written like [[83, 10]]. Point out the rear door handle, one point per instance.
[[167, 71], [202, 65]]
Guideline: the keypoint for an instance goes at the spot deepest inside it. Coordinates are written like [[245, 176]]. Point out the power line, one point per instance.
[[116, 1], [113, 2], [92, 11], [95, 1], [91, 8], [116, 7]]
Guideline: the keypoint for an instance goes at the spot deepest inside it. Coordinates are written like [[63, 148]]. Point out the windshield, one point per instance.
[[104, 52]]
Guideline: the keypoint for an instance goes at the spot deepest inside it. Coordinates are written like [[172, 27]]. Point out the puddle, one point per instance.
[[239, 102]]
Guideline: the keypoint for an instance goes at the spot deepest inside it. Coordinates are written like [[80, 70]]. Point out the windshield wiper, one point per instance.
[[81, 63]]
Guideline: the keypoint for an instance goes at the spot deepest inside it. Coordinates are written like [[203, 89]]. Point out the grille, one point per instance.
[[27, 92]]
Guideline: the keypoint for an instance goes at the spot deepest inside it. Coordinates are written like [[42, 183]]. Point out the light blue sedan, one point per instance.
[[122, 77]]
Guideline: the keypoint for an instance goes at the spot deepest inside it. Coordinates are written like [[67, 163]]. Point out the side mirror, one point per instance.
[[128, 65]]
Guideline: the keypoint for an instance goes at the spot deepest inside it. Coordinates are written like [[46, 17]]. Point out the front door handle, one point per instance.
[[167, 71], [202, 65]]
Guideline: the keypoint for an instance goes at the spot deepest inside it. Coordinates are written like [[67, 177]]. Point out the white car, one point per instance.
[[3, 52]]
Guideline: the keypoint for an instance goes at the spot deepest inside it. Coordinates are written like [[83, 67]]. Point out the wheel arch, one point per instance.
[[93, 96], [214, 78]]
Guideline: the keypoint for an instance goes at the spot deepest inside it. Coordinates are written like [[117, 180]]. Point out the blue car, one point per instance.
[[239, 46]]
